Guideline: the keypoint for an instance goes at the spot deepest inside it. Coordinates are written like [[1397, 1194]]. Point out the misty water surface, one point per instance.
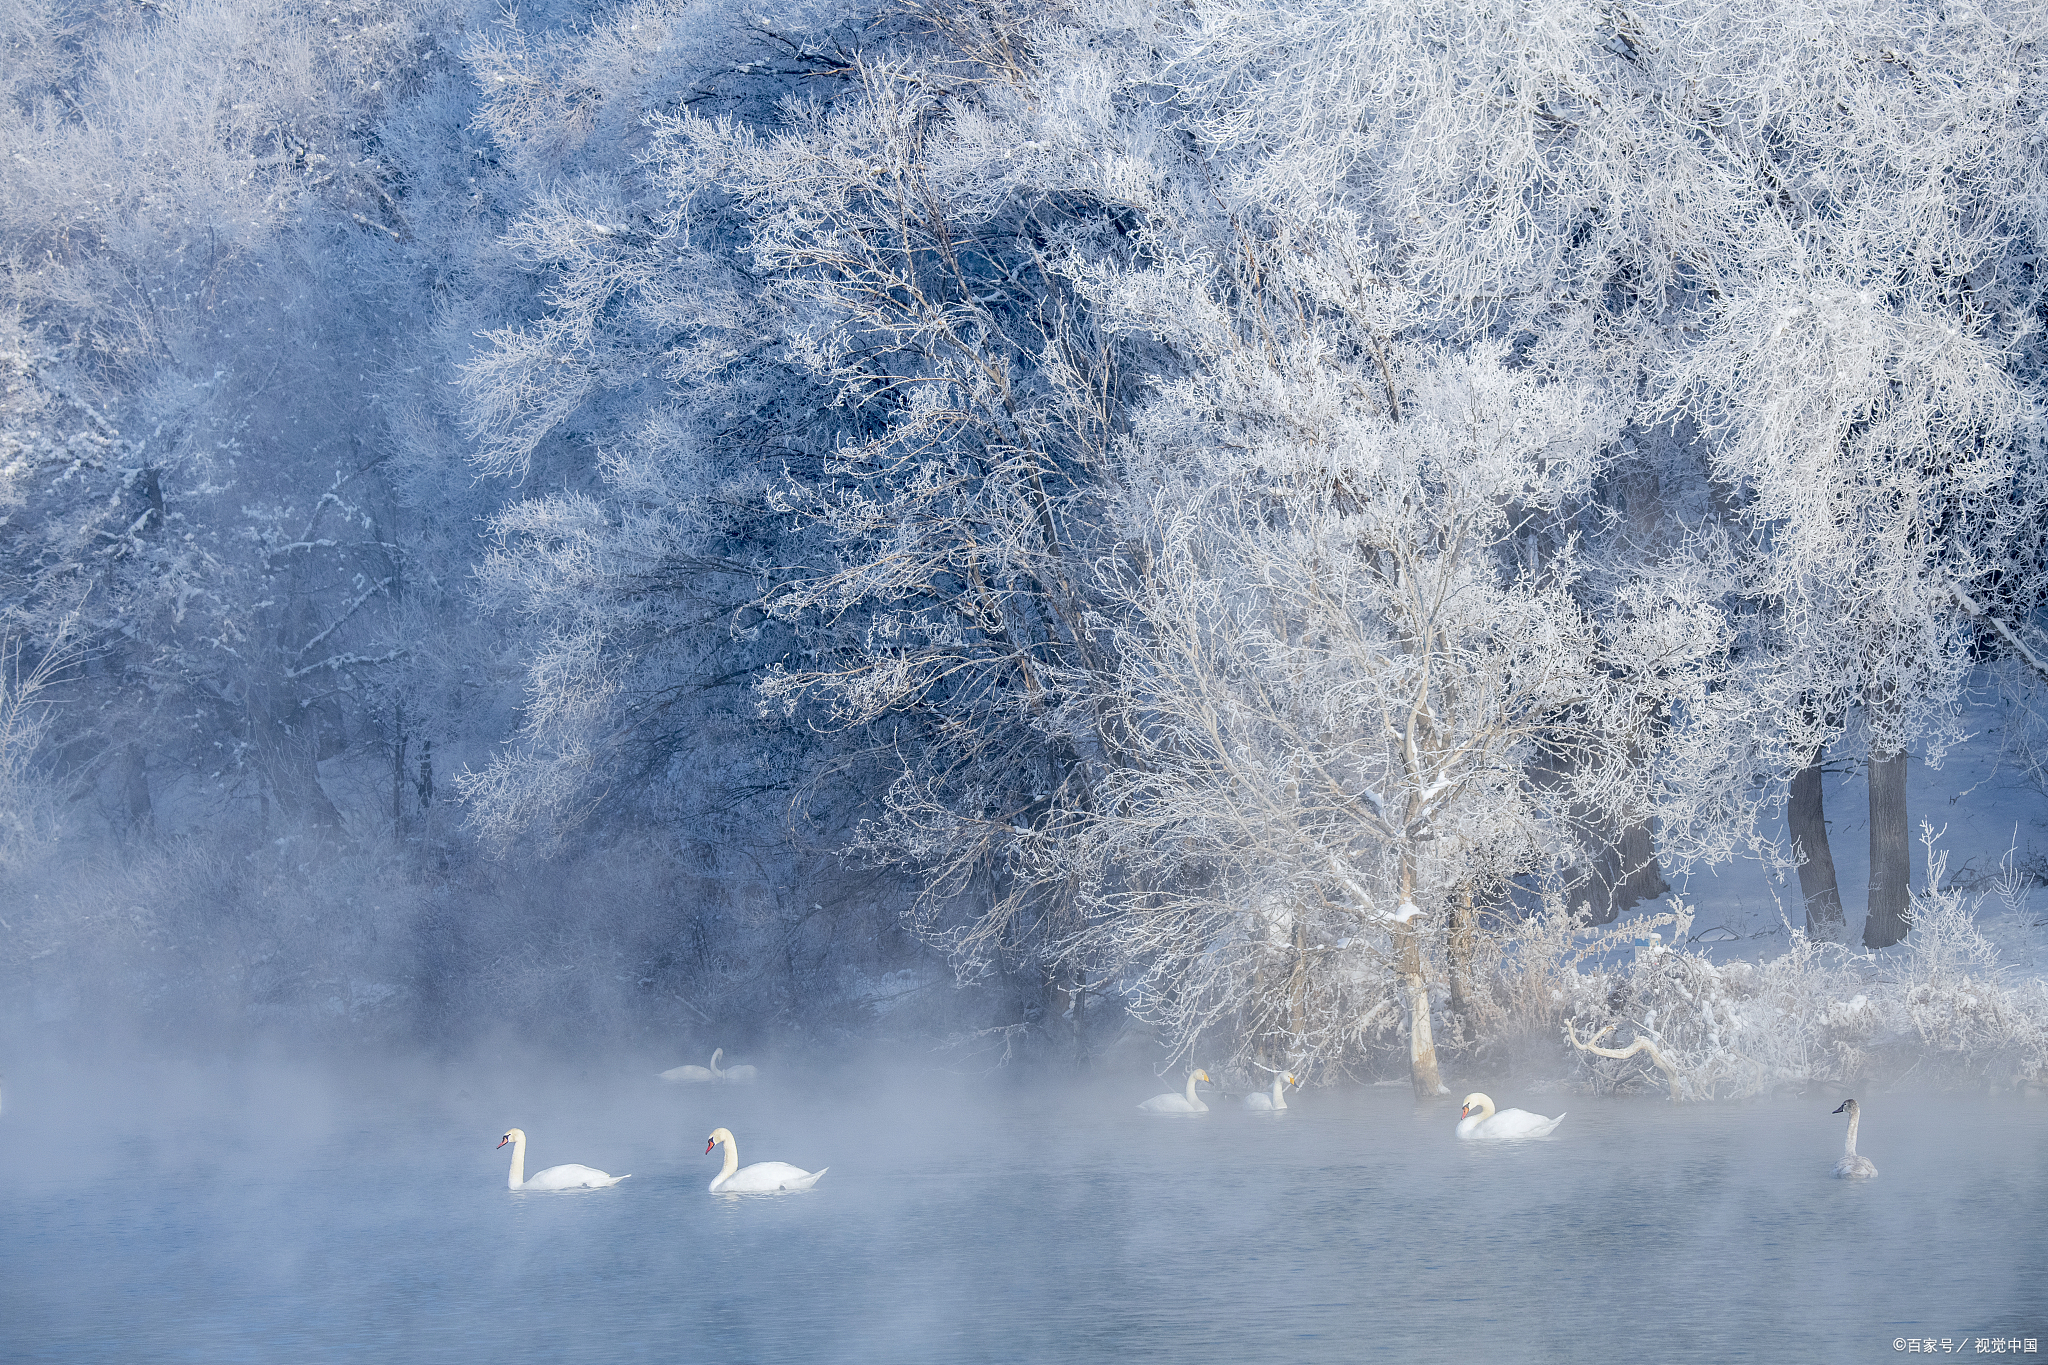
[[245, 1212]]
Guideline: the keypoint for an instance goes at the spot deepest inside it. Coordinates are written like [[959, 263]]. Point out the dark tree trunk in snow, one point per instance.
[[135, 789], [1458, 948], [1624, 875], [1297, 988], [1624, 871], [425, 784], [1891, 856], [1064, 994], [398, 768], [1825, 922], [292, 767], [1636, 877]]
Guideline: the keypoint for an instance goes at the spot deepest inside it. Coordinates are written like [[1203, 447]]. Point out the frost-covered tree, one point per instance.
[[639, 382], [1341, 677], [853, 416], [186, 187], [925, 258], [1804, 236], [1864, 367]]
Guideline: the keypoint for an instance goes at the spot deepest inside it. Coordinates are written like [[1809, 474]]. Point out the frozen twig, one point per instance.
[[1978, 613], [1641, 1044]]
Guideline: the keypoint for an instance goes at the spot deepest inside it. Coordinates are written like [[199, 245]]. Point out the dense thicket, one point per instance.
[[1236, 519]]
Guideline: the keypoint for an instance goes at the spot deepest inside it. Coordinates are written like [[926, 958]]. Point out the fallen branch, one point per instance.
[[1641, 1044]]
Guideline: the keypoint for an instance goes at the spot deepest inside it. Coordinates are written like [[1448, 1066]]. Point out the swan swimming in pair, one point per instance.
[[1266, 1104], [763, 1177], [1188, 1103], [569, 1177], [1478, 1120], [710, 1073], [1852, 1166]]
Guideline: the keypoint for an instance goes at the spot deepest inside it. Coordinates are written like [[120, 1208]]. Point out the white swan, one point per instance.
[[569, 1177], [710, 1073], [1852, 1166], [695, 1073], [1478, 1120], [1189, 1103], [762, 1177], [1267, 1103]]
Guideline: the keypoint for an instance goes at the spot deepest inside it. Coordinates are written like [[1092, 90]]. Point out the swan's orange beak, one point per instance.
[[708, 1145], [503, 1141], [1465, 1112]]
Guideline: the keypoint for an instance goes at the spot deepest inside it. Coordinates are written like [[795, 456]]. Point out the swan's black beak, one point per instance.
[[1840, 1107]]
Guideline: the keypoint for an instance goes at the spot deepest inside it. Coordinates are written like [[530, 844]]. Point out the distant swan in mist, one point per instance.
[[1478, 1120], [763, 1177], [569, 1177], [1852, 1166], [1189, 1103], [1264, 1104], [710, 1073], [695, 1073]]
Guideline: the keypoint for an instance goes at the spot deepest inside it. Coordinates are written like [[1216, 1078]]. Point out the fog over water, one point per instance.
[[234, 1210]]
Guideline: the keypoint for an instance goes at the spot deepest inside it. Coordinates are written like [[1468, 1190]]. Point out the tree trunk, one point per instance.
[[153, 491], [292, 769], [1625, 874], [1806, 814], [1630, 866], [1061, 1004], [1297, 989], [1891, 856], [1079, 995], [1421, 1042], [1624, 870], [135, 790], [398, 768], [425, 785], [1458, 948], [1640, 878]]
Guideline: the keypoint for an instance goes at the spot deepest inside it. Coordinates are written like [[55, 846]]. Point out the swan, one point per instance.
[[710, 1073], [696, 1073], [760, 1178], [569, 1177], [1267, 1103], [1852, 1166], [1189, 1103], [1478, 1120]]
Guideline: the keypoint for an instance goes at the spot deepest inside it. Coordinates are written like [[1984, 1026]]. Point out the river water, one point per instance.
[[242, 1212]]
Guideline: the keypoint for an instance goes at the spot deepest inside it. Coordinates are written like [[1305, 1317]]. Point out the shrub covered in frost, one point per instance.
[[1940, 1006]]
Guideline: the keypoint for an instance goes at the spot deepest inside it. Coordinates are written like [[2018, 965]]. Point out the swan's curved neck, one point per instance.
[[518, 1176], [1191, 1089], [1279, 1098], [732, 1160], [1849, 1142], [714, 1061]]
